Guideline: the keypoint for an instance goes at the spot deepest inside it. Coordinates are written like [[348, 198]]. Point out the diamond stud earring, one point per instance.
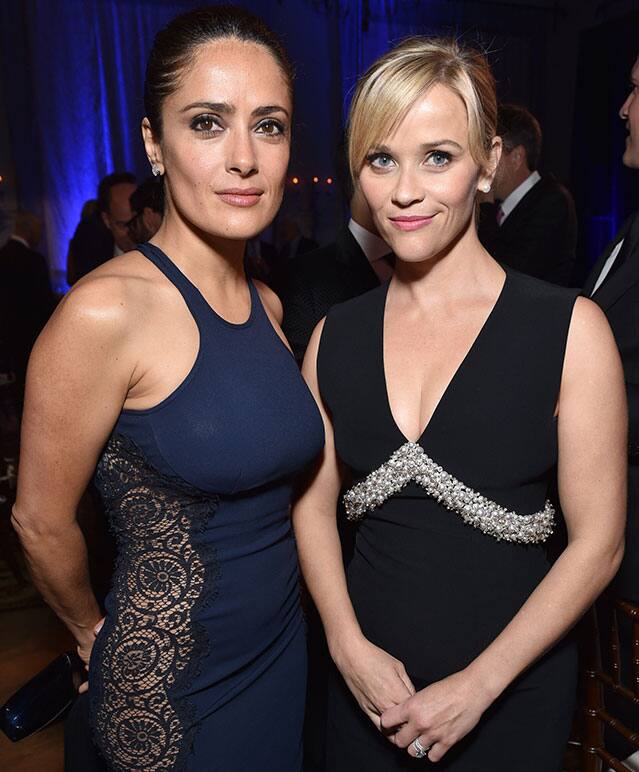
[[155, 170]]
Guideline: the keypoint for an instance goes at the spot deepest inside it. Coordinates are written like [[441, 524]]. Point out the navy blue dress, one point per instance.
[[201, 663]]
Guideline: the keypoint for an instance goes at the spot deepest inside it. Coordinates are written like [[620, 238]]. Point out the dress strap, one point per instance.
[[195, 301], [187, 289]]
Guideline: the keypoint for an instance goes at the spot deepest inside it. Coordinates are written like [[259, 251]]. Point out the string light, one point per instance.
[[329, 180], [1, 178], [295, 180], [315, 179]]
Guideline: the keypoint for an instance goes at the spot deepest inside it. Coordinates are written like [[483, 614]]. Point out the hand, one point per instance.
[[377, 680], [84, 651], [439, 715]]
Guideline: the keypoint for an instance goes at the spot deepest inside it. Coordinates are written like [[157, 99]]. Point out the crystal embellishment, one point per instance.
[[411, 462]]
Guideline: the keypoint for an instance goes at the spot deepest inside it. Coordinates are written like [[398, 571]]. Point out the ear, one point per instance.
[[520, 156], [152, 145], [488, 173], [105, 219]]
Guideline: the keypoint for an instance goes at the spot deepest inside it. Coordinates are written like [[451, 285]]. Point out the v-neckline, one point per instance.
[[456, 375]]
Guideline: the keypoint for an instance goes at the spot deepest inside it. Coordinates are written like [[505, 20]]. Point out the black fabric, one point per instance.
[[26, 301], [80, 753], [539, 236], [317, 281], [429, 589], [92, 244]]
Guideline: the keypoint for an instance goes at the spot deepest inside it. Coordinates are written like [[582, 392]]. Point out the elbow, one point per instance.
[[28, 527], [610, 563], [20, 522], [616, 557]]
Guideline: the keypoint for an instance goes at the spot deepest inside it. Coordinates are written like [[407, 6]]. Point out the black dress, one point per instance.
[[451, 532]]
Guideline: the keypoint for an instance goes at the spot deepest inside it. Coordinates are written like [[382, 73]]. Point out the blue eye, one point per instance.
[[380, 160], [438, 158]]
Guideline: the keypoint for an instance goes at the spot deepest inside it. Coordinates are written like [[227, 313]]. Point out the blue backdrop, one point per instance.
[[73, 73]]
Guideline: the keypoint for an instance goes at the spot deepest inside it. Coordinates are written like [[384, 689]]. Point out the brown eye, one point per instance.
[[205, 124], [271, 128]]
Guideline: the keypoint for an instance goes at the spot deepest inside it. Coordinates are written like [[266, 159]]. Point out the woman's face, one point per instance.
[[422, 181], [226, 140]]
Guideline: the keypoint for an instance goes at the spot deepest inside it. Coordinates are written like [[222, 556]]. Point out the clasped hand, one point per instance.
[[439, 715], [377, 680]]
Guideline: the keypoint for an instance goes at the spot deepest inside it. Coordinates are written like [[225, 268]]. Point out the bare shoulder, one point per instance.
[[109, 300], [271, 301], [589, 329], [591, 351]]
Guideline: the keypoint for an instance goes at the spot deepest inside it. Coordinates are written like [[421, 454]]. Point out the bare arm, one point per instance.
[[592, 485], [78, 378], [376, 679]]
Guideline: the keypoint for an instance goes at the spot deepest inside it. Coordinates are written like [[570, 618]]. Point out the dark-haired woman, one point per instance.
[[167, 369]]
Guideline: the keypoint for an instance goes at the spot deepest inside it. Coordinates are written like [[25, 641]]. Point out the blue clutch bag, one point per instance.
[[44, 698]]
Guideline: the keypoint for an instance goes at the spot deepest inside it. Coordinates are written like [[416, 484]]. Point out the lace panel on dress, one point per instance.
[[150, 649]]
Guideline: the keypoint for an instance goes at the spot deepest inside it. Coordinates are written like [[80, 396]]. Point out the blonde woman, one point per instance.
[[449, 396]]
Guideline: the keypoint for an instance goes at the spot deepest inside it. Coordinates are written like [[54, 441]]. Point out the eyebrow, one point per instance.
[[424, 146], [225, 107]]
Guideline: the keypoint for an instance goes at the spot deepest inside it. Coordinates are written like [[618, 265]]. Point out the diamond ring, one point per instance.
[[420, 750]]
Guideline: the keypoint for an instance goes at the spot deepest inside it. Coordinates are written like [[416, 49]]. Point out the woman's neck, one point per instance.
[[200, 255], [463, 268]]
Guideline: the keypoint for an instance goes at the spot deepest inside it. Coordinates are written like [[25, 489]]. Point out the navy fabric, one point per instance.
[[198, 488]]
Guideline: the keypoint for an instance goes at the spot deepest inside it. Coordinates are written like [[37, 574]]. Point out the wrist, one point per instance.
[[84, 633], [342, 644], [486, 681]]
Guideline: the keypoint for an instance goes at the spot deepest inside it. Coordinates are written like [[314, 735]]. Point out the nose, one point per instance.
[[625, 107], [408, 190], [241, 159]]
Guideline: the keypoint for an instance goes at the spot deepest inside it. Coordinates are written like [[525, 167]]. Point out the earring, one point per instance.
[[486, 187], [155, 170]]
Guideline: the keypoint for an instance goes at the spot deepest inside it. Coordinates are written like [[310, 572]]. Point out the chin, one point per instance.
[[237, 226], [631, 160]]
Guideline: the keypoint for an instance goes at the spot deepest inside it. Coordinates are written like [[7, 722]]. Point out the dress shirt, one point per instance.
[[511, 201], [20, 239], [606, 267], [374, 248]]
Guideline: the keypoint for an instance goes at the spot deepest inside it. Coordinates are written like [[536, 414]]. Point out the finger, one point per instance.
[[438, 751], [374, 717], [406, 735], [413, 751], [406, 681], [394, 716]]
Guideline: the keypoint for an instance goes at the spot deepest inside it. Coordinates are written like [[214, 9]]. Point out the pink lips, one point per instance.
[[411, 223], [240, 196]]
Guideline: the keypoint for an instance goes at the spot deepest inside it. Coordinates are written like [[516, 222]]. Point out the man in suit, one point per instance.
[[104, 234], [26, 297], [531, 225], [613, 284], [356, 262]]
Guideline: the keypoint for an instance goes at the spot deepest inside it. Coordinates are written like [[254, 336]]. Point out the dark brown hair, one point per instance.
[[175, 45], [518, 126]]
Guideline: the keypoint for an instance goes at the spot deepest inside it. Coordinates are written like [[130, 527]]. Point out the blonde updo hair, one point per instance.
[[393, 83]]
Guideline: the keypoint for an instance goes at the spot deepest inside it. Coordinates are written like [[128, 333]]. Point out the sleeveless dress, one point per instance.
[[201, 663], [451, 529]]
